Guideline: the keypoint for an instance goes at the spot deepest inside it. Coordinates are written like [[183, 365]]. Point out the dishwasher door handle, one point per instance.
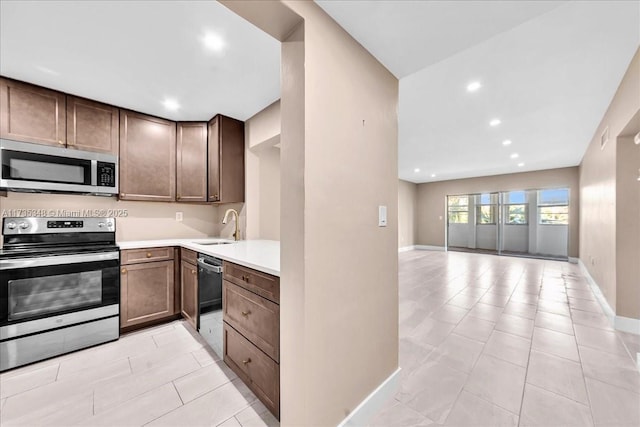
[[214, 268]]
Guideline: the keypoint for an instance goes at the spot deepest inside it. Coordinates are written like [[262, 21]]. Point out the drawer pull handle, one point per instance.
[[246, 313], [148, 254], [245, 362], [245, 279], [123, 271]]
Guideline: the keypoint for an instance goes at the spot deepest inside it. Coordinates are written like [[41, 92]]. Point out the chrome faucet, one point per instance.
[[236, 234]]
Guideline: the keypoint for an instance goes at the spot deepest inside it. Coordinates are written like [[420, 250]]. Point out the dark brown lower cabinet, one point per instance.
[[252, 331], [258, 371], [189, 292], [146, 292]]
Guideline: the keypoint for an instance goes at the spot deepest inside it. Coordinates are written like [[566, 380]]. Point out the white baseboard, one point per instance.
[[621, 323], [627, 324], [407, 248], [573, 260], [429, 248], [364, 412]]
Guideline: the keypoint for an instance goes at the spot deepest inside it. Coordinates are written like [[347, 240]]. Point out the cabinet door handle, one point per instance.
[[61, 142], [123, 271], [148, 254], [246, 313], [246, 361], [193, 272], [121, 194]]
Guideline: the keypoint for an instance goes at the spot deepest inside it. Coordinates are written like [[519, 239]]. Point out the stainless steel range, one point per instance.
[[59, 287]]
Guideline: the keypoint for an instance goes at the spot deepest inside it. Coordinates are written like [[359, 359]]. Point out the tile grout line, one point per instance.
[[526, 372], [584, 378]]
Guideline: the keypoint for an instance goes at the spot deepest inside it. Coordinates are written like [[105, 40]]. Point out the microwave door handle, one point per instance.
[[94, 172]]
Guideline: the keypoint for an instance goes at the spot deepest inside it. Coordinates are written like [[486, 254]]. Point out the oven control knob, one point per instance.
[[11, 225], [101, 224], [24, 225], [109, 224]]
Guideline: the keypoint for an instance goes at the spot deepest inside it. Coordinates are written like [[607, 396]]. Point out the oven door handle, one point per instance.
[[11, 264]]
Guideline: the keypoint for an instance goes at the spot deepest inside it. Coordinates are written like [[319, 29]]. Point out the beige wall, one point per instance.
[[350, 265], [628, 228], [339, 272], [144, 220], [598, 241], [432, 199], [407, 209], [262, 160]]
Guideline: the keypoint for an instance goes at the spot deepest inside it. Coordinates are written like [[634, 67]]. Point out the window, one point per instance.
[[515, 210], [553, 207], [458, 207], [486, 208], [516, 215]]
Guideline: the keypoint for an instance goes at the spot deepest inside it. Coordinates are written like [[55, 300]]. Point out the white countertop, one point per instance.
[[261, 255]]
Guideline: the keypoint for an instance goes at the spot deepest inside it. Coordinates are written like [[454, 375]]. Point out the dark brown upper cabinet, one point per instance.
[[147, 158], [226, 160], [92, 126], [32, 114], [191, 162]]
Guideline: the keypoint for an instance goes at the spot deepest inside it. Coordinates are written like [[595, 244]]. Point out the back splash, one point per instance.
[[134, 220]]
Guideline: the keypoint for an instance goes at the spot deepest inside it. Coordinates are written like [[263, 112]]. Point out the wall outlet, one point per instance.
[[382, 216], [179, 216]]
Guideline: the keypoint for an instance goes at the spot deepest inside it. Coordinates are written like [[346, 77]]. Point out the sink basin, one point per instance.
[[212, 243]]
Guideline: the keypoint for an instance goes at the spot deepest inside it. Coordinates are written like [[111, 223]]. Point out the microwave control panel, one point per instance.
[[106, 174]]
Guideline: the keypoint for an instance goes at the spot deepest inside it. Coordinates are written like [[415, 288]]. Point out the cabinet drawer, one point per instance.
[[189, 256], [262, 284], [134, 256], [255, 317], [256, 369]]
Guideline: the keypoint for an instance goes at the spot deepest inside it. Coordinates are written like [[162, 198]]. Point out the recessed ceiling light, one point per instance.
[[171, 104], [433, 175], [213, 42], [494, 122], [473, 86], [416, 170], [521, 164], [506, 142], [515, 155]]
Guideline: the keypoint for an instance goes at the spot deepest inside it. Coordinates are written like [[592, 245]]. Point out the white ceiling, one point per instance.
[[549, 71], [134, 54], [548, 68]]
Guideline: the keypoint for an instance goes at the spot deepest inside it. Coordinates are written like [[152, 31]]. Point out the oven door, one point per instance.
[[49, 286]]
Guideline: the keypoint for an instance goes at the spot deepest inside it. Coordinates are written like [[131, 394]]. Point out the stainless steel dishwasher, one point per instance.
[[210, 301]]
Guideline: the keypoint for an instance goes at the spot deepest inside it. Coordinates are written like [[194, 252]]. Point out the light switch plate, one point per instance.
[[382, 216], [179, 216]]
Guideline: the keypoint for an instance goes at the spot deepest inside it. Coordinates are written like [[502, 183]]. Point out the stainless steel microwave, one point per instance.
[[42, 168]]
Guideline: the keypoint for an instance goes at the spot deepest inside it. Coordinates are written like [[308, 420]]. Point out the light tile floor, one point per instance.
[[484, 341], [164, 375], [500, 341]]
